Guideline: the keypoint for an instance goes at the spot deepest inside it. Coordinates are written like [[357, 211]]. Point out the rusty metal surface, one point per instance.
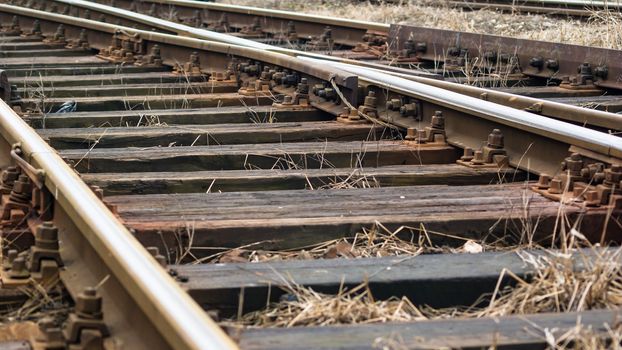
[[534, 142], [213, 56], [168, 307], [344, 31], [102, 238], [534, 58], [560, 111]]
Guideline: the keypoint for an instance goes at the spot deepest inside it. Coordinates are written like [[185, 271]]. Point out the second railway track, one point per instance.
[[252, 176]]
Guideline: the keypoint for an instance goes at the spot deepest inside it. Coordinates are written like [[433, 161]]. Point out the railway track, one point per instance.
[[562, 73], [178, 187]]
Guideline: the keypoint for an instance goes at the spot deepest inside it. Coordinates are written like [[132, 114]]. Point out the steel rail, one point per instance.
[[199, 33], [285, 15], [563, 133], [557, 110], [224, 49], [174, 314], [561, 111], [177, 317], [179, 29], [535, 58]]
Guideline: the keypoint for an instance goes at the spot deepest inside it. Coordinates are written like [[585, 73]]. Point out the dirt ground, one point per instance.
[[603, 29]]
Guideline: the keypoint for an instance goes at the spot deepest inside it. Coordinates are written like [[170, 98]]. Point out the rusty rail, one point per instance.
[[176, 316], [433, 36], [113, 251], [525, 152]]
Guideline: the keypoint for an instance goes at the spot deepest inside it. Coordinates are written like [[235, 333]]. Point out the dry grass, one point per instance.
[[376, 241], [305, 307], [590, 278], [603, 29], [42, 300]]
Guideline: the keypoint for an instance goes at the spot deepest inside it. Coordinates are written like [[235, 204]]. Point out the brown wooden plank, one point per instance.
[[283, 179], [62, 52], [172, 116], [36, 62], [155, 76], [511, 332], [437, 280], [157, 89], [220, 134], [288, 219], [147, 102], [265, 156], [102, 68], [29, 45]]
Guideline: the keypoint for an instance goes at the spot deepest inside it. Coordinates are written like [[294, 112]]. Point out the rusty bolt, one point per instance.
[[468, 154], [36, 27], [409, 109], [394, 104], [438, 121], [552, 64], [411, 134], [490, 56], [536, 62], [50, 333], [555, 186], [574, 164], [89, 304], [21, 189], [265, 74], [371, 100], [60, 32], [543, 181], [421, 136], [288, 100], [478, 158], [495, 139], [601, 72], [327, 34], [256, 25], [585, 69], [409, 46], [354, 114], [8, 260], [613, 175], [19, 270], [155, 51], [194, 58], [291, 28], [9, 175], [303, 86], [46, 236], [83, 40], [421, 47], [15, 25], [591, 199]]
